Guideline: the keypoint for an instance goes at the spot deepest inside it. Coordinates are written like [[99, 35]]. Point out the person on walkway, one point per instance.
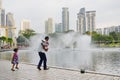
[[43, 48], [15, 59]]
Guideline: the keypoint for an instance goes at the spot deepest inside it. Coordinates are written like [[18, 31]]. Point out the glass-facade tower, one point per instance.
[[65, 19]]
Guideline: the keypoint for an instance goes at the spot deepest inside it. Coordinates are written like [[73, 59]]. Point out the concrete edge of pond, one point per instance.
[[85, 71], [3, 50]]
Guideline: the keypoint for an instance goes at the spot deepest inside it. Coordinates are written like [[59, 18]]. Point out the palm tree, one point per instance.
[[3, 38], [10, 41]]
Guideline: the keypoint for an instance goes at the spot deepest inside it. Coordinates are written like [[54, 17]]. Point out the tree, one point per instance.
[[118, 34], [10, 41], [20, 40], [28, 33], [3, 38], [102, 38], [91, 33], [114, 35], [88, 32], [97, 37]]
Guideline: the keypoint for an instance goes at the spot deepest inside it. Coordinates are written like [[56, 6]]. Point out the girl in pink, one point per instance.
[[15, 59]]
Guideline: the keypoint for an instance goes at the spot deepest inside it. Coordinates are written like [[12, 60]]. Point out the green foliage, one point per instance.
[[10, 40], [28, 33], [20, 39], [111, 40], [3, 38], [7, 40], [102, 38], [90, 33], [116, 36]]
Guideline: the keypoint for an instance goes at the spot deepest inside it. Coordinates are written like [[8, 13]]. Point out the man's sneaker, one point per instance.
[[46, 69], [38, 68]]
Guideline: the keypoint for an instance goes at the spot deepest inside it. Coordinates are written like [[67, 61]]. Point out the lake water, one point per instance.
[[101, 60]]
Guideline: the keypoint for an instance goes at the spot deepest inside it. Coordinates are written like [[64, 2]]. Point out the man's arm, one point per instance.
[[44, 47]]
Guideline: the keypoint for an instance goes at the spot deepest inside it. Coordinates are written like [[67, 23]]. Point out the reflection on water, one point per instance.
[[104, 61]]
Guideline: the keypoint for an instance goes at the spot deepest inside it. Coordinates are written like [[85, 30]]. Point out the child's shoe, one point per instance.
[[12, 69], [16, 67]]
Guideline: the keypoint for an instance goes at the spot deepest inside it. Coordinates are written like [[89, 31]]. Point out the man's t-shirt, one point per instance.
[[43, 43]]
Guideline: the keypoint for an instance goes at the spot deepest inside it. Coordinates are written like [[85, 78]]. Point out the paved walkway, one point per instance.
[[29, 72]]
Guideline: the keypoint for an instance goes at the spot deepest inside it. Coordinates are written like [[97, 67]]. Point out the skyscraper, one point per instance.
[[58, 27], [10, 23], [65, 19], [49, 26], [25, 24], [90, 21], [81, 21], [2, 17], [86, 21], [0, 4]]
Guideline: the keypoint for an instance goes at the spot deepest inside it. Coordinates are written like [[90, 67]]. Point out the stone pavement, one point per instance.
[[30, 72]]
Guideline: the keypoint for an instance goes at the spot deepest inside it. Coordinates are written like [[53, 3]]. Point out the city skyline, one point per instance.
[[38, 11]]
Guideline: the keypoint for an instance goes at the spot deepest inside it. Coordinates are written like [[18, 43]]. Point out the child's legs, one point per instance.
[[16, 65], [13, 66]]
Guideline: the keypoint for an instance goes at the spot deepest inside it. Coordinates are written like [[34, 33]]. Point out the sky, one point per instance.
[[38, 11]]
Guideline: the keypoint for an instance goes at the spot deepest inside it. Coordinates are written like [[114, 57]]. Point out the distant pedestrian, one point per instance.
[[43, 48], [15, 59]]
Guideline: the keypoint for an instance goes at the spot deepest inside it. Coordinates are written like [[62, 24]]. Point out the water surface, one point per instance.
[[99, 60]]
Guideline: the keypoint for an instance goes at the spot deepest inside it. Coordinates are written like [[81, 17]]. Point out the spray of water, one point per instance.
[[63, 40], [35, 41], [71, 47]]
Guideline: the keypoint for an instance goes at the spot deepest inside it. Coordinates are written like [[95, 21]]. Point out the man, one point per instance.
[[43, 48]]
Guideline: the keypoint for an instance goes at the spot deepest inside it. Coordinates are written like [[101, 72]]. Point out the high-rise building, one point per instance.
[[117, 28], [25, 24], [91, 21], [49, 26], [10, 23], [2, 17], [86, 21], [0, 4], [99, 31], [65, 19], [106, 31], [112, 29], [2, 32], [58, 27], [81, 21]]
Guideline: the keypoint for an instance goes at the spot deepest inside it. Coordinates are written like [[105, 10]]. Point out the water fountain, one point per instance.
[[64, 40], [66, 44]]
